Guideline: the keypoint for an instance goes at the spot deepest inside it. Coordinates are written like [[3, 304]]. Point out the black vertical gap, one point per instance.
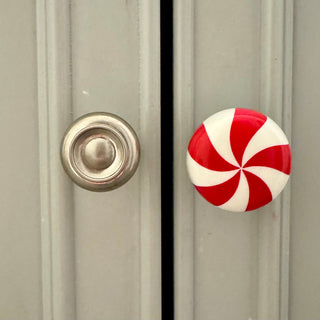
[[167, 251]]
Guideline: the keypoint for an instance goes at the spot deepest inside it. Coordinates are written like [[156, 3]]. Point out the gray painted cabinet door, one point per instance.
[[67, 253], [263, 55], [70, 254]]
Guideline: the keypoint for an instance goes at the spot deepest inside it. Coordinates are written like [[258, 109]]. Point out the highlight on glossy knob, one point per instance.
[[239, 159], [100, 151]]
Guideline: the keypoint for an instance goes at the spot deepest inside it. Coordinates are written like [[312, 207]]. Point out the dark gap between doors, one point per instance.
[[167, 251]]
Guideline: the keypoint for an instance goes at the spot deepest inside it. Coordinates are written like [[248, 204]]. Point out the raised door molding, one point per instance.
[[56, 192], [183, 130], [275, 99]]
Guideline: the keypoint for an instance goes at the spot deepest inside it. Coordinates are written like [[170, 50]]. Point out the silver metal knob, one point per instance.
[[100, 151]]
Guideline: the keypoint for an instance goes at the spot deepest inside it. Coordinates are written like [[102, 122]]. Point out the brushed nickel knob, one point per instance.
[[100, 151]]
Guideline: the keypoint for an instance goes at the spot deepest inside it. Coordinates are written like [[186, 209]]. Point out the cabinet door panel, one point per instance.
[[69, 253], [263, 264]]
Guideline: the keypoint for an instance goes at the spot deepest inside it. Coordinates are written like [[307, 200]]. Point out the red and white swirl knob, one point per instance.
[[239, 159]]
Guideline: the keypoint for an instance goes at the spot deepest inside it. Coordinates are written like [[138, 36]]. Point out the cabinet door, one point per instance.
[[68, 253], [261, 55]]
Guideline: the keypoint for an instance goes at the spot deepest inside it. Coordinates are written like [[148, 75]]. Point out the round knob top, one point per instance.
[[239, 159], [98, 153]]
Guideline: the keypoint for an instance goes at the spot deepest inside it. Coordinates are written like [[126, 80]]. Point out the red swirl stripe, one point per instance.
[[259, 192], [276, 157], [220, 193], [244, 126], [203, 152]]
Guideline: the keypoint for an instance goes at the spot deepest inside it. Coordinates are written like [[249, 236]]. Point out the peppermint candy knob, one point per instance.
[[239, 159]]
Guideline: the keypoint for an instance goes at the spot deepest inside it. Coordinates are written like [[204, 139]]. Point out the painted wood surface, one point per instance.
[[231, 54], [68, 253]]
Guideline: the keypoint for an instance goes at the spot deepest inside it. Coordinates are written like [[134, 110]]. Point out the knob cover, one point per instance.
[[239, 159]]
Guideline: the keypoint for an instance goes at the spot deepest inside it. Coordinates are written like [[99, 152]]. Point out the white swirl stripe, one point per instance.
[[203, 177], [218, 128]]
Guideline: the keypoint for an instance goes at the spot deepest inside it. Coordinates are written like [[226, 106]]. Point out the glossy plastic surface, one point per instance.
[[239, 159]]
